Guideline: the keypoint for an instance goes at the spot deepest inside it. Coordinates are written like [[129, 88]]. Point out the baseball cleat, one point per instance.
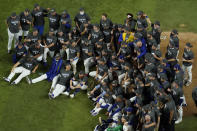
[[66, 93], [178, 121], [9, 51], [6, 79], [188, 83], [13, 83], [72, 96], [29, 81], [94, 113]]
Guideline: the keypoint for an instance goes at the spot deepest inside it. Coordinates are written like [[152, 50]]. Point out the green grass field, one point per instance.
[[27, 108]]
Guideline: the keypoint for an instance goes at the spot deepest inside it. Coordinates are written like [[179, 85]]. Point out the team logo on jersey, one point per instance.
[[106, 33], [38, 14], [34, 39], [14, 22], [49, 40], [65, 74], [72, 51], [52, 20], [28, 65], [82, 20], [94, 35], [35, 52]]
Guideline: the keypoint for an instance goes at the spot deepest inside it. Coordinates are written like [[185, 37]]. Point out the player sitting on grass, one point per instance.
[[53, 71], [25, 66], [79, 82], [62, 82]]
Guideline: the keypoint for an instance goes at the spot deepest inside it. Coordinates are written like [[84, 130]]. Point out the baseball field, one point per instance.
[[27, 108]]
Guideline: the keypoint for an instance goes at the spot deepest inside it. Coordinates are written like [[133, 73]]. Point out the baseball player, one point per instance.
[[13, 27], [114, 66], [19, 52], [96, 35], [114, 112], [62, 43], [98, 91], [188, 59], [25, 66], [141, 21], [74, 34], [174, 38], [106, 27], [74, 53], [101, 71], [148, 125], [62, 82], [81, 18], [177, 93], [103, 102], [116, 32], [38, 15], [52, 73], [54, 20], [49, 45], [87, 54], [79, 82], [126, 37], [65, 22], [150, 41], [85, 30], [156, 32], [37, 51], [156, 53], [171, 56], [194, 95], [32, 38], [26, 21], [130, 22], [169, 115]]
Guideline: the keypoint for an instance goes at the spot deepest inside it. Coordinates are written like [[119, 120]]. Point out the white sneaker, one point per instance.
[[94, 99], [28, 80], [72, 96], [178, 121], [188, 83], [6, 79], [66, 93]]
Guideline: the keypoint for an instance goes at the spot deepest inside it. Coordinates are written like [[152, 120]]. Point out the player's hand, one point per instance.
[[91, 92], [12, 70], [33, 71], [72, 87], [135, 58], [146, 126], [107, 113]]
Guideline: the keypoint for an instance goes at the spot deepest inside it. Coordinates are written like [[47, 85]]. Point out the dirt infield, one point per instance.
[[184, 38]]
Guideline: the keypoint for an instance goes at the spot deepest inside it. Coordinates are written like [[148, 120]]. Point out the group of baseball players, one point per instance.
[[134, 84]]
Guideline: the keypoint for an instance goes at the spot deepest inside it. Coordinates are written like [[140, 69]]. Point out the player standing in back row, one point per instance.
[[81, 18], [13, 27]]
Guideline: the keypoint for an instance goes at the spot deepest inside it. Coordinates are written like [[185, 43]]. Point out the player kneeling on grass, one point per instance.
[[24, 66], [79, 82], [53, 71], [62, 81]]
